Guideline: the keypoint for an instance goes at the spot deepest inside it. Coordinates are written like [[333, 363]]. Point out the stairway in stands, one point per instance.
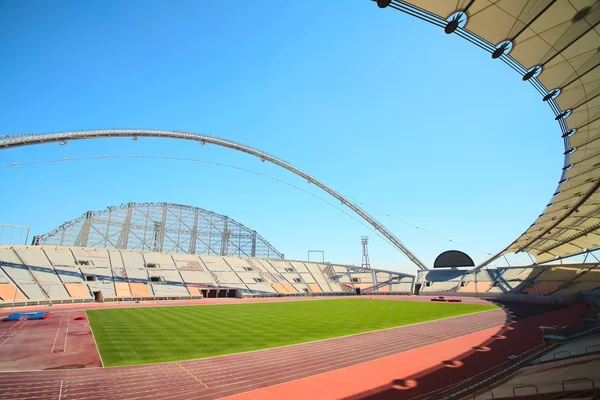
[[330, 274], [379, 285], [215, 277]]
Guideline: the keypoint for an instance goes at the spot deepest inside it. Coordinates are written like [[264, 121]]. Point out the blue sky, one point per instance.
[[384, 108]]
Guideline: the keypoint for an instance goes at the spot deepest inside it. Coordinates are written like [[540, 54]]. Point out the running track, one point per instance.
[[223, 376]]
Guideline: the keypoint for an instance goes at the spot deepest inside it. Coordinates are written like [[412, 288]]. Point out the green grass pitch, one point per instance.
[[127, 336]]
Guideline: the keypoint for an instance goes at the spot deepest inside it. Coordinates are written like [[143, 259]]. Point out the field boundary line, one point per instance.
[[95, 342], [313, 341]]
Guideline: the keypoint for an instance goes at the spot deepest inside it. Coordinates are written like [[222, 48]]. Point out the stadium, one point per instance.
[[160, 300]]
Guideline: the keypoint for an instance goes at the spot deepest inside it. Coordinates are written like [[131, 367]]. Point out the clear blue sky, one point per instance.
[[385, 108]]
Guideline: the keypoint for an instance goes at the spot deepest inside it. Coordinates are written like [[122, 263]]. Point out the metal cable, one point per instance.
[[203, 162], [259, 174]]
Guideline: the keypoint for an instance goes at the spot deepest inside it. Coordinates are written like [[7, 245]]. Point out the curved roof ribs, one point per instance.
[[171, 207], [17, 141]]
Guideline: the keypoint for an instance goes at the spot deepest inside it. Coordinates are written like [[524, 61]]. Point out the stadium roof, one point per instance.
[[160, 227], [555, 45]]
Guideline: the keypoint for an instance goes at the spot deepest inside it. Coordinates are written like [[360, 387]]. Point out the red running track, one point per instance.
[[223, 376]]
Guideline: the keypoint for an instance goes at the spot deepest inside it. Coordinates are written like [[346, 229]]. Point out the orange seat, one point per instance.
[[122, 289], [7, 292], [279, 288], [290, 288], [140, 290], [77, 290], [314, 288], [194, 291]]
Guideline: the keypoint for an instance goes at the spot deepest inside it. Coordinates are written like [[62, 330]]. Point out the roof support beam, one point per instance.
[[583, 232], [527, 25]]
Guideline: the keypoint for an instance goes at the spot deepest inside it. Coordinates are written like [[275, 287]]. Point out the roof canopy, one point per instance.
[[555, 45]]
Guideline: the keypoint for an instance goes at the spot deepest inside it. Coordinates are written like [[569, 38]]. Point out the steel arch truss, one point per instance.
[[27, 140]]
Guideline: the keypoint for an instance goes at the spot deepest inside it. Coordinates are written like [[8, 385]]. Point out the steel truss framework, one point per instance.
[[161, 227], [27, 140]]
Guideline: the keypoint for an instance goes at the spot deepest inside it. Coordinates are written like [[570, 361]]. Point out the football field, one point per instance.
[[127, 336]]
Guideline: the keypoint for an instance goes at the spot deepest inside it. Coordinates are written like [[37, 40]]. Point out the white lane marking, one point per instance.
[[60, 392], [15, 324], [7, 338], [66, 335], [55, 337]]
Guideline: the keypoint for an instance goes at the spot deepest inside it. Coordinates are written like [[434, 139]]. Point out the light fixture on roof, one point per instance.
[[455, 21], [502, 48], [569, 133], [563, 115], [532, 72], [551, 95]]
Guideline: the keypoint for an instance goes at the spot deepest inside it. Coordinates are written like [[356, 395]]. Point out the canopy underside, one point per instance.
[[554, 44]]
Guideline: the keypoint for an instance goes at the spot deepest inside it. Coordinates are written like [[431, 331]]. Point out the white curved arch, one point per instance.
[[17, 141]]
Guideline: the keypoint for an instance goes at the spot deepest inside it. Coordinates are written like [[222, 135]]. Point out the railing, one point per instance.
[[257, 295], [566, 354], [515, 389], [580, 380], [484, 379], [588, 392], [332, 294], [150, 298], [472, 384], [503, 296], [587, 349], [568, 333], [44, 302], [405, 293]]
